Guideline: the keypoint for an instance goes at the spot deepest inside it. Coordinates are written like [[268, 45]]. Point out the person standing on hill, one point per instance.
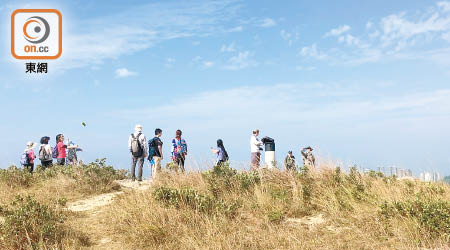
[[60, 149], [45, 153], [308, 157], [155, 152], [255, 147], [222, 154], [179, 150], [138, 148], [28, 157], [289, 162]]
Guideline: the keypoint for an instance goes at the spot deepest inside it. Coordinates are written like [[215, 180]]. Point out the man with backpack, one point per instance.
[[155, 152], [138, 149]]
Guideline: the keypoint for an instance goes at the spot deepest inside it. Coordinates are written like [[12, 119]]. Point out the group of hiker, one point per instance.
[[65, 152], [62, 152], [141, 149], [289, 161]]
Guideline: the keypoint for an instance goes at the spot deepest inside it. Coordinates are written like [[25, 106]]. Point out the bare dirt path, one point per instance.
[[90, 214]]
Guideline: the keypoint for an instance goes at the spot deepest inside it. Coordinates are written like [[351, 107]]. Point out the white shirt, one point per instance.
[[255, 144]]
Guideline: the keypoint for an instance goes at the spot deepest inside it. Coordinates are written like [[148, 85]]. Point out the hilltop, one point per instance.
[[95, 206]]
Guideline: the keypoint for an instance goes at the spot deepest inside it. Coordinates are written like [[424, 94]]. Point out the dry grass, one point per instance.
[[226, 209], [350, 205]]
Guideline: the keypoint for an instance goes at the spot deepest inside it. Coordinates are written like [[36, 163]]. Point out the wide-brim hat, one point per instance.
[[138, 127], [310, 148]]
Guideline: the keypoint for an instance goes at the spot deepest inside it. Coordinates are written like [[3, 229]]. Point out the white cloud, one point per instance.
[[338, 31], [446, 36], [236, 29], [169, 62], [305, 68], [268, 22], [208, 64], [289, 37], [281, 102], [444, 5], [313, 52], [141, 27], [241, 61], [202, 64], [123, 72], [228, 48], [399, 36]]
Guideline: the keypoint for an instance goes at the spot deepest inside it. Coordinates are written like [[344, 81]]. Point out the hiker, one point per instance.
[[28, 157], [72, 157], [155, 152], [308, 157], [179, 150], [222, 154], [138, 149], [45, 153], [289, 162], [59, 152], [255, 148]]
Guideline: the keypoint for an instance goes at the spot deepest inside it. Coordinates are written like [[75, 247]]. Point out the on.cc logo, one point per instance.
[[40, 30], [36, 34]]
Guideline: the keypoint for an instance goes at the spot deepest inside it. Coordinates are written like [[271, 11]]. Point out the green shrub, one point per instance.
[[95, 177], [275, 216], [337, 176], [192, 198], [30, 224], [15, 177], [432, 215], [220, 179], [248, 179]]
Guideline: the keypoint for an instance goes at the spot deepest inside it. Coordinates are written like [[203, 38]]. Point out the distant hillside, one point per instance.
[[96, 207]]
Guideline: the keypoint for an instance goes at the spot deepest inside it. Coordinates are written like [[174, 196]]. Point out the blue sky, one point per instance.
[[362, 82]]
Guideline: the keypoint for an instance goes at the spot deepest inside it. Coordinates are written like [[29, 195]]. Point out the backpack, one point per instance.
[[136, 148], [43, 155], [55, 152], [25, 159], [151, 149]]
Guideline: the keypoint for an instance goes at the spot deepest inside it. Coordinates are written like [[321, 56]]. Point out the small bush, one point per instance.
[[193, 199], [220, 179], [30, 224], [275, 216], [15, 177], [432, 215], [248, 179]]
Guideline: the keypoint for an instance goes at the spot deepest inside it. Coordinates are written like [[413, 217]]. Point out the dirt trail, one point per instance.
[[91, 219]]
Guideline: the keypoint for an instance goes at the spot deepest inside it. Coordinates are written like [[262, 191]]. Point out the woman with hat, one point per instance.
[[45, 153], [30, 155]]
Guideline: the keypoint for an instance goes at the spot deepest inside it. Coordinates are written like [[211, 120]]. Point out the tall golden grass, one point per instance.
[[326, 209]]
